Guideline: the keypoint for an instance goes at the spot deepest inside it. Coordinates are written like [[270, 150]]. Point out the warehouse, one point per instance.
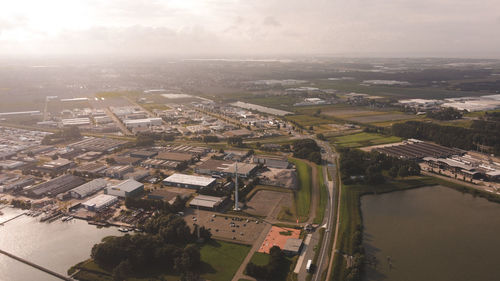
[[271, 161], [91, 169], [225, 168], [100, 202], [415, 149], [292, 246], [118, 172], [144, 154], [88, 188], [206, 202], [126, 188], [10, 164], [189, 181], [56, 166], [98, 144], [76, 122], [139, 123], [55, 186], [175, 156]]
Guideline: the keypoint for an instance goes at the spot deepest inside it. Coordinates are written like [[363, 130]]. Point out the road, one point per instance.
[[322, 263]]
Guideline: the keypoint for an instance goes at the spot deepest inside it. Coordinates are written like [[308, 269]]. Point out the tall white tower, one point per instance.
[[236, 207]]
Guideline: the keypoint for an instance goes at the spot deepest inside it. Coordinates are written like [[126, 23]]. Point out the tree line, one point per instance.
[[307, 149], [483, 134], [358, 166], [166, 246]]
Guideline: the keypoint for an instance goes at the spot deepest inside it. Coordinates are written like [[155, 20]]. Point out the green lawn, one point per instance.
[[260, 258], [363, 139], [222, 260], [303, 195]]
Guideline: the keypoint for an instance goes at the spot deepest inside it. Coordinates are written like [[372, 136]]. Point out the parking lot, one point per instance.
[[268, 203], [240, 229]]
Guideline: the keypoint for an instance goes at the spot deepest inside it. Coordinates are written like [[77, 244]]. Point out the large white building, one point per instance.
[[99, 202], [126, 188], [189, 181], [146, 122], [88, 188]]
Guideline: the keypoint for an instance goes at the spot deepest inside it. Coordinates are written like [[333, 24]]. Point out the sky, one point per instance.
[[215, 28]]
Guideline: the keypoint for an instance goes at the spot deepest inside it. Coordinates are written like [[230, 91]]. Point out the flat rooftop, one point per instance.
[[190, 179]]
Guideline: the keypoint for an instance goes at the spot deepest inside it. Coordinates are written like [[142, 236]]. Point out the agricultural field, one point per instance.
[[363, 139], [368, 116], [307, 120]]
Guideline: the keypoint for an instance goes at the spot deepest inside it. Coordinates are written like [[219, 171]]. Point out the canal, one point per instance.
[[56, 246], [431, 233]]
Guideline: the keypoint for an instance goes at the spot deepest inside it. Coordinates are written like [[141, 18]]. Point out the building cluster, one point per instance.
[[470, 104], [457, 163]]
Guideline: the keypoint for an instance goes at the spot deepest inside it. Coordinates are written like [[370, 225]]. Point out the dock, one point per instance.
[[4, 222], [53, 273]]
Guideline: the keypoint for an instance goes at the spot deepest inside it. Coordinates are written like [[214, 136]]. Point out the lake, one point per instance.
[[56, 246], [431, 233]]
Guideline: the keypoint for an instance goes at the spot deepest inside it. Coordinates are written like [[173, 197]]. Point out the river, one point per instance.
[[56, 246], [431, 233]]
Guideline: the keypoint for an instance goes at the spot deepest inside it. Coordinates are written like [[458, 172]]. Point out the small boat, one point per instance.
[[123, 229]]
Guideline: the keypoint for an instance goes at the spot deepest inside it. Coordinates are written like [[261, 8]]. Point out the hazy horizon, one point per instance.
[[223, 28]]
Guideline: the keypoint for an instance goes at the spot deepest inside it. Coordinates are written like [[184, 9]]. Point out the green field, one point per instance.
[[323, 197], [363, 139], [220, 261], [303, 195], [308, 120], [260, 258]]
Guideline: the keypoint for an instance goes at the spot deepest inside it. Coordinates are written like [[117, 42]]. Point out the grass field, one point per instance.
[[307, 120], [363, 139], [220, 261], [323, 197], [260, 258], [303, 195]]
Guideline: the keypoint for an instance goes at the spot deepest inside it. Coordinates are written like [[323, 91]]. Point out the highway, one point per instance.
[[322, 263]]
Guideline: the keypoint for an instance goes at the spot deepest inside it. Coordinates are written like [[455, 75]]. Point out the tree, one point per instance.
[[403, 171]]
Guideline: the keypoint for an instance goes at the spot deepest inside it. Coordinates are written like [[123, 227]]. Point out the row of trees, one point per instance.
[[165, 246], [448, 113], [150, 204], [370, 167], [483, 134], [307, 149], [275, 269], [66, 134]]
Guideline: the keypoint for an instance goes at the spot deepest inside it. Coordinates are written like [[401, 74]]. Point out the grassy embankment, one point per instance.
[[323, 196], [220, 261], [302, 196]]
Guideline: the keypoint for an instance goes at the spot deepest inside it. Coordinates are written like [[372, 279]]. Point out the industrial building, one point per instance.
[[56, 166], [225, 168], [98, 144], [126, 188], [206, 202], [100, 202], [91, 169], [292, 246], [11, 164], [189, 181], [75, 122], [118, 172], [55, 186], [175, 156], [194, 150], [144, 154], [88, 188], [141, 123], [277, 162], [415, 149]]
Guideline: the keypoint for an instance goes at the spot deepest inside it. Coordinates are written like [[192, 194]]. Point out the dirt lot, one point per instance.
[[268, 203], [220, 226]]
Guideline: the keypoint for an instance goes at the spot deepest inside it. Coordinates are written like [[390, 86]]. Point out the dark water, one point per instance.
[[431, 233], [56, 246]]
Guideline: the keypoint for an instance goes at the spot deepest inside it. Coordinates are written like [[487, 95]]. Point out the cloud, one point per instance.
[[271, 21], [218, 27]]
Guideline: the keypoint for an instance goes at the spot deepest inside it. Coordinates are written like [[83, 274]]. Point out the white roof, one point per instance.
[[90, 187], [189, 179], [99, 200], [128, 185]]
